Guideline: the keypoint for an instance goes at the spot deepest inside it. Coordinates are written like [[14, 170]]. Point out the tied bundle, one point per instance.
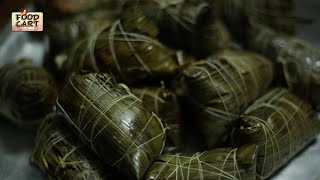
[[300, 61], [63, 156], [277, 14], [217, 164], [113, 122], [27, 93], [165, 105], [68, 31], [127, 49], [188, 24], [223, 86], [281, 124]]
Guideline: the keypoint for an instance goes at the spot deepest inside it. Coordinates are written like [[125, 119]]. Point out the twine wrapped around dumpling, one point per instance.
[[66, 32], [281, 124], [62, 155], [188, 24], [127, 49], [177, 14], [113, 122], [27, 93], [223, 86], [216, 164], [165, 105], [69, 31], [300, 61]]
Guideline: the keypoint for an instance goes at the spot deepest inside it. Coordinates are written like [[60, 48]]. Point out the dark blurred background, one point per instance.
[[9, 6], [309, 9]]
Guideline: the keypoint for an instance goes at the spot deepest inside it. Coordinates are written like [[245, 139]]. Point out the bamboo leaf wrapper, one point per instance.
[[70, 30], [216, 164], [223, 86], [63, 156], [192, 25], [27, 93], [281, 124], [300, 61], [113, 122], [127, 49], [165, 105]]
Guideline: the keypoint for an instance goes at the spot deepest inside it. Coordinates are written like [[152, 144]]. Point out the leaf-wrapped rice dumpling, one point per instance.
[[165, 105], [217, 164], [62, 155], [223, 86], [27, 93], [188, 24], [127, 49], [65, 32], [281, 124], [176, 14], [277, 14], [113, 122], [300, 61]]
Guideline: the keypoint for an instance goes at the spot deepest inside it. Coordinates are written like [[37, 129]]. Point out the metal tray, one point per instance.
[[16, 144]]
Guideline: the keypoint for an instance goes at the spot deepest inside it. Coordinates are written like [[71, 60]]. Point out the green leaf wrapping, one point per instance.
[[127, 49], [300, 61], [113, 122], [69, 30], [216, 164], [27, 93], [165, 105], [223, 86], [132, 56], [62, 155], [281, 124], [191, 25]]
